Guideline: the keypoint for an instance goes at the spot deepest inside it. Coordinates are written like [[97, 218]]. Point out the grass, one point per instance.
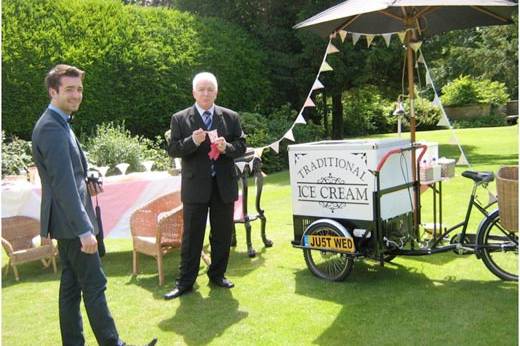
[[434, 300]]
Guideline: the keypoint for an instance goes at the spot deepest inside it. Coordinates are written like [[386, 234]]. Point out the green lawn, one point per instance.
[[434, 300]]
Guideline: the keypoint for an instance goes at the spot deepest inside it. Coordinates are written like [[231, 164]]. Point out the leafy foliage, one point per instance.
[[114, 144], [16, 155], [466, 90], [139, 61]]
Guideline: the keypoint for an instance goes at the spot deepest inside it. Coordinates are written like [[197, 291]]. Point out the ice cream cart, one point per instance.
[[356, 199]]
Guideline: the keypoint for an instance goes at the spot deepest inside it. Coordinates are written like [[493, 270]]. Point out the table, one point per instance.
[[123, 195]]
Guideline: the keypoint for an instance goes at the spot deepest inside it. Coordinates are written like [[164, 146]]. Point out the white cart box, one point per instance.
[[335, 178]]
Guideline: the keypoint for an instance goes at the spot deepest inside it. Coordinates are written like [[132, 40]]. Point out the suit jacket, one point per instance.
[[196, 171], [66, 209]]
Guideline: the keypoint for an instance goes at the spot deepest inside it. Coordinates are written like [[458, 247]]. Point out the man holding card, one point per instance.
[[207, 137]]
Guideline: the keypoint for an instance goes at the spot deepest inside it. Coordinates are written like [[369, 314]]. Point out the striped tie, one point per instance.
[[206, 117]]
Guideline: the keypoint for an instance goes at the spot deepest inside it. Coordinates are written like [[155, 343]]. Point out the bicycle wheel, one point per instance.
[[327, 265], [498, 248]]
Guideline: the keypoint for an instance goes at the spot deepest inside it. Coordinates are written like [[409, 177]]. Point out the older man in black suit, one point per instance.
[[67, 213], [209, 181]]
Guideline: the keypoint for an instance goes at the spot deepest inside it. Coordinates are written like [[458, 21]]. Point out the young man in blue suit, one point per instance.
[[67, 213], [208, 138]]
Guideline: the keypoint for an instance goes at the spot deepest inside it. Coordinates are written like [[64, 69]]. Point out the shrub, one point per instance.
[[366, 111], [16, 155], [466, 90], [263, 130], [139, 61], [114, 144]]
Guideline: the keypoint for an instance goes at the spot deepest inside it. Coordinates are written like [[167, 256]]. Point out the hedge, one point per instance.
[[139, 62]]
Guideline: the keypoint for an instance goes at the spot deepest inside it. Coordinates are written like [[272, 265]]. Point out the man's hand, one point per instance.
[[221, 144], [94, 188], [88, 244], [198, 136]]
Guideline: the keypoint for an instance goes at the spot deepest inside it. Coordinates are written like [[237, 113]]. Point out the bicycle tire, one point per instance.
[[503, 264], [327, 265]]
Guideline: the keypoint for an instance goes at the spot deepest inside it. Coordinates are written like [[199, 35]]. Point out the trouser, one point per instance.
[[221, 224], [82, 273]]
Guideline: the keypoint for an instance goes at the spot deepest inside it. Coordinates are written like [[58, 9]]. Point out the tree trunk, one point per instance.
[[337, 116]]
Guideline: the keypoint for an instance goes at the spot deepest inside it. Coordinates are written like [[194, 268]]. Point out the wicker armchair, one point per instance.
[[19, 234], [157, 229]]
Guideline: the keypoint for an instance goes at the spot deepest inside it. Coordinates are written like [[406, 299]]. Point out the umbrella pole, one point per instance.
[[411, 96]]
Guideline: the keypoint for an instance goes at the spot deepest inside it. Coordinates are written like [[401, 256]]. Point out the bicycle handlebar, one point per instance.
[[398, 151]]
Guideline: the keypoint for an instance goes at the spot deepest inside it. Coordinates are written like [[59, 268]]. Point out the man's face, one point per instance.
[[69, 95], [205, 93]]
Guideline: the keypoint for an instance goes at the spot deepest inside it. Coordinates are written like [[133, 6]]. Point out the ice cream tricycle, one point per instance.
[[355, 199]]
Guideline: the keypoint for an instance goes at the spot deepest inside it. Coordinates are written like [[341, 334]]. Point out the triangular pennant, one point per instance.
[[421, 58], [492, 198], [401, 35], [309, 103], [289, 135], [387, 38], [416, 45], [259, 151], [300, 119], [436, 101], [325, 67], [275, 146], [331, 49], [240, 166], [429, 78], [370, 38], [453, 140], [251, 165], [355, 38], [342, 35], [462, 160], [443, 121], [317, 85]]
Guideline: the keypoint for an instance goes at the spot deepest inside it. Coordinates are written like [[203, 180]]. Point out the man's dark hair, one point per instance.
[[53, 78]]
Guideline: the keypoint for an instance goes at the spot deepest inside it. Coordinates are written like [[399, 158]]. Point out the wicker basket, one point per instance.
[[507, 193]]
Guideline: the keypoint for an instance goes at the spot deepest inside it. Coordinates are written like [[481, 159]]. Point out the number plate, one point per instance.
[[327, 242]]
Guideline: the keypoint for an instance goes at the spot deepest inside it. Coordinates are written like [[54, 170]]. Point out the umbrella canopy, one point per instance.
[[429, 17]]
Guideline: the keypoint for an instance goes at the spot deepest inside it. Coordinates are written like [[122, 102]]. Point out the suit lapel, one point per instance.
[[196, 119], [218, 123], [58, 118]]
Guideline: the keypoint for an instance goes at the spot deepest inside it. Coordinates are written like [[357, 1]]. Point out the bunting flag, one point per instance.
[[355, 38], [309, 103], [443, 121], [462, 160], [240, 166], [259, 151], [370, 38], [325, 67], [436, 101], [300, 119], [289, 135], [275, 146], [492, 198], [421, 58], [416, 45], [331, 49], [429, 79], [317, 85], [402, 36], [387, 38], [342, 35], [453, 140]]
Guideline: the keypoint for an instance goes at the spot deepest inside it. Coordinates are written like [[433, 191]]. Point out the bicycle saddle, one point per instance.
[[479, 177]]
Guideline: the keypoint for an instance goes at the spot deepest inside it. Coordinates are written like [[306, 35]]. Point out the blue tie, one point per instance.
[[206, 117]]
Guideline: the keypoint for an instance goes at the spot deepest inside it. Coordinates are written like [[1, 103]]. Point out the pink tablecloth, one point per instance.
[[123, 195]]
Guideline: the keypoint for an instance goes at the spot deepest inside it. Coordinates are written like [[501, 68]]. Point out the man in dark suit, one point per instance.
[[209, 181], [67, 213]]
